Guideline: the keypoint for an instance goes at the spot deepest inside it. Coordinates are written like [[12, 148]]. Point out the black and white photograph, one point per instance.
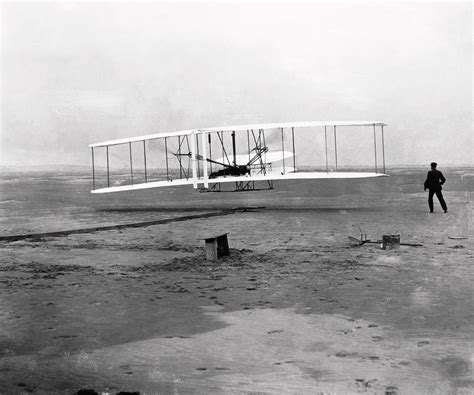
[[236, 197]]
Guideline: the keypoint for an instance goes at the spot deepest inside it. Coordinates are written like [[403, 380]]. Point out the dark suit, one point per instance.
[[433, 182]]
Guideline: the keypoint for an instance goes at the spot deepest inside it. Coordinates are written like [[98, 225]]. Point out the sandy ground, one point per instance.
[[294, 309]]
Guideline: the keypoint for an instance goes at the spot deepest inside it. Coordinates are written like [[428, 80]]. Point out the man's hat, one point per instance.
[[434, 164]]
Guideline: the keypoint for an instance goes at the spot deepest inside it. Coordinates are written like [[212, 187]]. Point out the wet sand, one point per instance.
[[295, 308]]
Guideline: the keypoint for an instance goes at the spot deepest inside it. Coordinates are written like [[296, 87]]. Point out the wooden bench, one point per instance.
[[216, 246]]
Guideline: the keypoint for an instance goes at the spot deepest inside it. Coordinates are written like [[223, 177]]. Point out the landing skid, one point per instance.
[[212, 188], [240, 186]]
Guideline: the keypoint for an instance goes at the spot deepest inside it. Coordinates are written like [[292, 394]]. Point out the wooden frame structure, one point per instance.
[[195, 147]]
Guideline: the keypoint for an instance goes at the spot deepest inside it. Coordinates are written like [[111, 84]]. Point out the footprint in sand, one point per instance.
[[125, 369], [345, 354], [423, 343], [288, 362], [366, 383]]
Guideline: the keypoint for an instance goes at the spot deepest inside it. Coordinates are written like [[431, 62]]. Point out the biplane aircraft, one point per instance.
[[242, 155]]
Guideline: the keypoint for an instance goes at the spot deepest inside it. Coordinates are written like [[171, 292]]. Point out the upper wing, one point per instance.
[[147, 137], [287, 125]]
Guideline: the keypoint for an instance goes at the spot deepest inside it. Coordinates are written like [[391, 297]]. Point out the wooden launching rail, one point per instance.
[[61, 233]]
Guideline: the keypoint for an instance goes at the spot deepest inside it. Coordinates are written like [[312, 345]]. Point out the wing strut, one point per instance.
[[198, 158], [326, 143], [204, 160], [108, 177], [294, 153], [221, 138], [93, 170], [189, 163], [383, 151], [233, 148], [193, 159], [375, 149], [131, 166], [248, 142], [166, 154], [210, 150], [144, 159], [283, 150], [179, 160]]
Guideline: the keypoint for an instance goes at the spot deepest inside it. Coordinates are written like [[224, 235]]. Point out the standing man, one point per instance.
[[433, 182]]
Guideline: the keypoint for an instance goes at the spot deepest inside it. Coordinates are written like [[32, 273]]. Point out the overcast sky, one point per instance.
[[77, 73]]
